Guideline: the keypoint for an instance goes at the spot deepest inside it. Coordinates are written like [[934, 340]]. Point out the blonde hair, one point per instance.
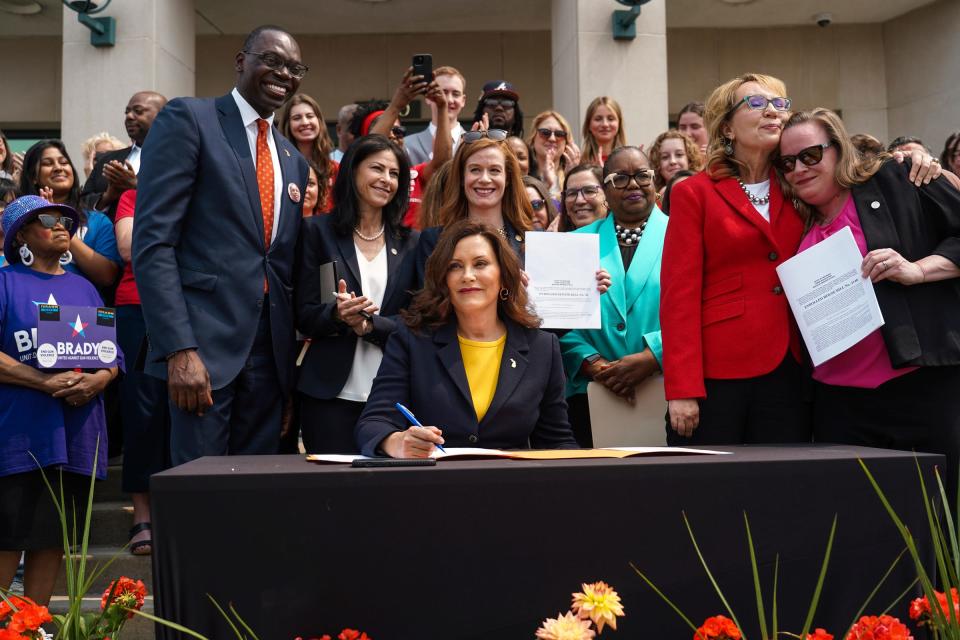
[[853, 168], [591, 148], [562, 160], [719, 164], [515, 206], [447, 70], [694, 158], [89, 146]]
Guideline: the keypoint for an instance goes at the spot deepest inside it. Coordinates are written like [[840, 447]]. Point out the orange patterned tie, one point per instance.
[[265, 180]]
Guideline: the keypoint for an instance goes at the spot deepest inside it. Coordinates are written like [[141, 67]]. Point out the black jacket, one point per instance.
[[96, 184], [425, 373], [330, 356], [922, 322]]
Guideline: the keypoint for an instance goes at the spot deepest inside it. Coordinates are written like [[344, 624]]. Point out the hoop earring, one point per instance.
[[26, 256], [66, 258], [504, 294], [728, 146]]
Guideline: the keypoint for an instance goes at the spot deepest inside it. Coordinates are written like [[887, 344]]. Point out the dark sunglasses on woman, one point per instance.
[[809, 156], [545, 133], [538, 204], [497, 135], [49, 221]]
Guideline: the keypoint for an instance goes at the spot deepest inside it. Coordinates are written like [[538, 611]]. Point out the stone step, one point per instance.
[[109, 490], [137, 628], [134, 567], [110, 523]]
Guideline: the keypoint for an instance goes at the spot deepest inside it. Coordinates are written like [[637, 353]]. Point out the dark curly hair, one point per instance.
[[431, 308], [346, 213]]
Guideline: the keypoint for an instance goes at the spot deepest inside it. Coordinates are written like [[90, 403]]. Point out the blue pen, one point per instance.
[[413, 419]]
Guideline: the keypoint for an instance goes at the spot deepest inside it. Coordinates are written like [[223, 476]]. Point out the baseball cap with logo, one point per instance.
[[499, 88]]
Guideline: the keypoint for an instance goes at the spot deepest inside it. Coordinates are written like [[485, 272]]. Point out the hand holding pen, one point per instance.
[[353, 310], [416, 442]]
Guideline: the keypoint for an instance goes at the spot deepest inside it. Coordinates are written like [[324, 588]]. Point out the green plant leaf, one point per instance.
[[776, 572], [226, 617], [756, 579], [713, 581], [823, 574], [172, 625], [866, 603], [664, 598], [242, 622]]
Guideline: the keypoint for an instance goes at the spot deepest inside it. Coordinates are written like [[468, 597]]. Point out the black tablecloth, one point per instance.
[[488, 548]]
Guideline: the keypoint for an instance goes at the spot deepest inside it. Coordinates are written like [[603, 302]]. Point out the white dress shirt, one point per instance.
[[455, 133], [249, 116], [134, 157]]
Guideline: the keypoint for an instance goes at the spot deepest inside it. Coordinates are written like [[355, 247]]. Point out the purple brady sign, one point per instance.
[[76, 337]]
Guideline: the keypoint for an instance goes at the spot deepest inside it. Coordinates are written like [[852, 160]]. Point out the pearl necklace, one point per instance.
[[629, 236], [376, 236], [752, 198]]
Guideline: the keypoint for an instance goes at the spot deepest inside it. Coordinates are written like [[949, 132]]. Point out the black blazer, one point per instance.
[[431, 235], [426, 374], [96, 184], [198, 245], [327, 364], [922, 322]]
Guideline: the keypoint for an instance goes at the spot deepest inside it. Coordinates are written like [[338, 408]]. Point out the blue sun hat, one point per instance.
[[25, 209]]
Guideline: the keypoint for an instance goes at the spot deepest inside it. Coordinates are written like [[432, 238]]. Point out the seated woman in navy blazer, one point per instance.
[[470, 362], [365, 238]]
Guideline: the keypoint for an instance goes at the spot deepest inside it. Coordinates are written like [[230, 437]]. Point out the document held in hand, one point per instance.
[[834, 305], [563, 278]]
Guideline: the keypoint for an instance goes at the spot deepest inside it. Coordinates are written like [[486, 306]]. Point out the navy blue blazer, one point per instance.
[[431, 235], [425, 373], [198, 246], [327, 364]]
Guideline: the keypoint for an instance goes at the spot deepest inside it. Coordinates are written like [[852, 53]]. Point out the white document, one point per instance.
[[834, 305], [563, 278]]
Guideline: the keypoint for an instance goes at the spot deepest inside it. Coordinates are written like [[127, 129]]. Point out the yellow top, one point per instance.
[[482, 363]]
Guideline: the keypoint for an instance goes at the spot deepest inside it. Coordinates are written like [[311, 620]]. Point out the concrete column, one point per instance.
[[588, 62], [155, 51]]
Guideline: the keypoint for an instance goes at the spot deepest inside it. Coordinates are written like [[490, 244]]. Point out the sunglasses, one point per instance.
[[758, 103], [276, 63], [809, 156], [497, 135], [588, 192], [621, 180], [49, 221], [545, 133], [538, 204], [398, 131], [493, 103]]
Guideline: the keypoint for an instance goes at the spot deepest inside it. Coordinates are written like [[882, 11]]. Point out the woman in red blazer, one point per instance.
[[730, 349]]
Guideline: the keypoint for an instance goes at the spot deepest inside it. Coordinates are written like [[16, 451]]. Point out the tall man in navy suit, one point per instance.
[[218, 212]]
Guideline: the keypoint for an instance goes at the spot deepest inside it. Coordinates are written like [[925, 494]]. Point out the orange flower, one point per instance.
[[599, 603], [717, 628], [127, 594], [29, 618], [352, 634], [19, 602], [819, 634], [7, 634], [879, 628]]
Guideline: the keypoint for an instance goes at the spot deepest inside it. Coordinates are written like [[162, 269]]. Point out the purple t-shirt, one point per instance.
[[33, 422]]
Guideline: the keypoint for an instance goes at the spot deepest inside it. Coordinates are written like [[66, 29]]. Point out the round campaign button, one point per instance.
[[47, 355], [108, 352]]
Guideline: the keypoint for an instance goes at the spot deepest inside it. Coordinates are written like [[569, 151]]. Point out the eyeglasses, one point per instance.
[[643, 178], [275, 62], [493, 103], [588, 192], [49, 221], [538, 204], [398, 131], [809, 156], [545, 133], [758, 103], [497, 135]]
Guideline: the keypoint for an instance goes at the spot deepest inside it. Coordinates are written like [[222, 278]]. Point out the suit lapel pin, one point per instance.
[[294, 192], [513, 363], [393, 251], [287, 151]]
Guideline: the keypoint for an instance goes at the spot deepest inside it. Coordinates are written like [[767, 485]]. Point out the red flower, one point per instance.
[[879, 628], [921, 611], [18, 603], [819, 634], [125, 593], [353, 634], [717, 628], [7, 634], [28, 618]]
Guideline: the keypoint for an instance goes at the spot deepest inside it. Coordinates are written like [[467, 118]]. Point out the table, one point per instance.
[[488, 548]]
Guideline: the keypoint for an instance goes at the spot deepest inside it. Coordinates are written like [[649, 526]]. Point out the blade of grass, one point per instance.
[[664, 598], [226, 617], [756, 579], [713, 581], [951, 527], [776, 573], [823, 573], [242, 622], [167, 623], [866, 603], [900, 597]]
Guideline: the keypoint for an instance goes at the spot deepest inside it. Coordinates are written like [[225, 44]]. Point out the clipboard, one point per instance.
[[328, 285], [615, 423]]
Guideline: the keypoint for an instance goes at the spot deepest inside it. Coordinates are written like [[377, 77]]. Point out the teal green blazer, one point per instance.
[[629, 310]]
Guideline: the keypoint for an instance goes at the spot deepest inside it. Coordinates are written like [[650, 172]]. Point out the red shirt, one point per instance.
[[127, 289], [417, 185]]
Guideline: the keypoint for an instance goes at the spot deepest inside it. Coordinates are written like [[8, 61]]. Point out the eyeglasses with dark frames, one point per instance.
[[276, 62], [546, 133], [49, 221], [493, 103], [497, 135], [809, 156], [643, 178], [589, 192], [758, 103]]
